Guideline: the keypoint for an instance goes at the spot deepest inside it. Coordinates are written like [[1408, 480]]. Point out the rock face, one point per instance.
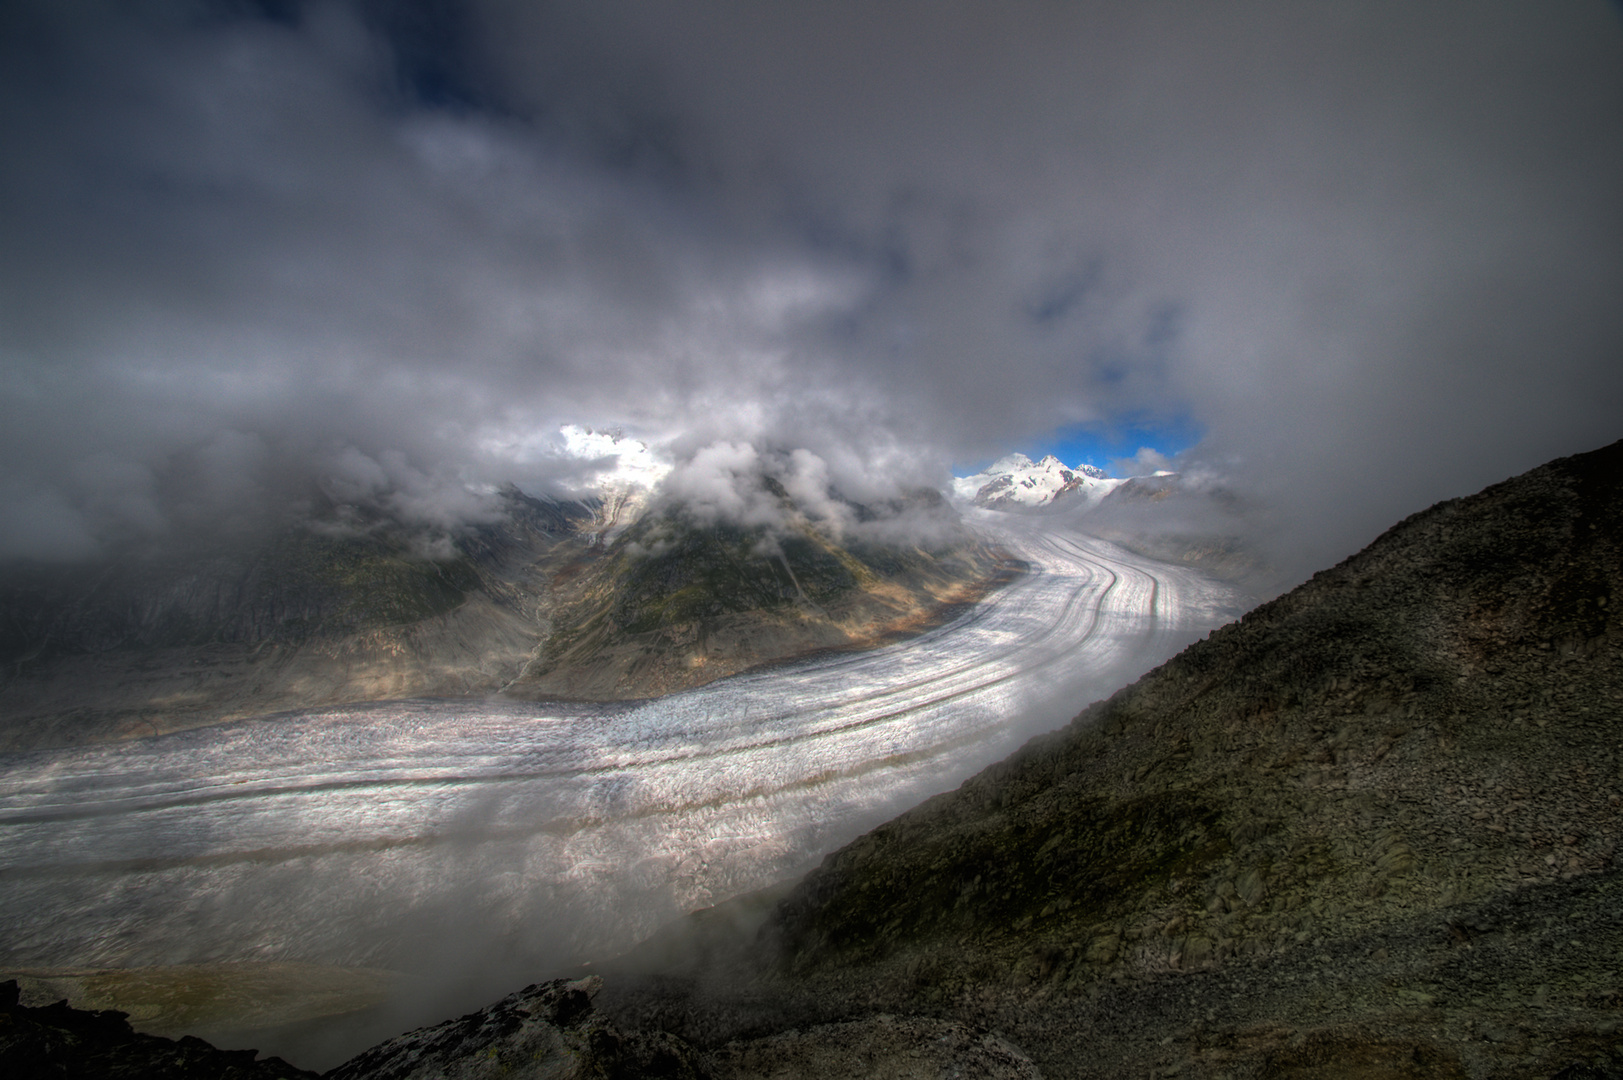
[[1372, 830], [57, 1041], [545, 1031]]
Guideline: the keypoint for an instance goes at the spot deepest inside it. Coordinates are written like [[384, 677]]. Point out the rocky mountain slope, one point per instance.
[[675, 602], [1372, 830]]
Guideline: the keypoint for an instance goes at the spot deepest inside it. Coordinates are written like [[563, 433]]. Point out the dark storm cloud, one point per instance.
[[1372, 251]]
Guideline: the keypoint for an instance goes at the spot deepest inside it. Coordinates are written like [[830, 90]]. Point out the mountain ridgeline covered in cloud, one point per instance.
[[658, 576], [736, 559]]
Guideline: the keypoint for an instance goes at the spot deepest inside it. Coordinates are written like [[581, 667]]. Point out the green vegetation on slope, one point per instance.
[[349, 607]]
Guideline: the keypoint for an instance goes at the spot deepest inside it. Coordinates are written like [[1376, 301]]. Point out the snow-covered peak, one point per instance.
[[1016, 481]]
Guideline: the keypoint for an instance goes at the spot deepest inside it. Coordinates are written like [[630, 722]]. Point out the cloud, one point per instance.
[[723, 481], [1146, 462], [39, 522], [1369, 251], [806, 480], [736, 483]]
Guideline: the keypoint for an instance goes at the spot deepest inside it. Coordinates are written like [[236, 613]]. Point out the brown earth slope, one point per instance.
[[1371, 831]]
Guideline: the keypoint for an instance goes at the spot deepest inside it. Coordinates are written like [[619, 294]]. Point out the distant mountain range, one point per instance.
[[1193, 519], [1017, 482]]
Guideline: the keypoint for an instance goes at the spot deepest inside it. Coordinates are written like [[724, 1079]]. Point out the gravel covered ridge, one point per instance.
[[1372, 828]]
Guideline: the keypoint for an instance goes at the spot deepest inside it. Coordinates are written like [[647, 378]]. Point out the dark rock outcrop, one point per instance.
[[548, 1030], [58, 1041]]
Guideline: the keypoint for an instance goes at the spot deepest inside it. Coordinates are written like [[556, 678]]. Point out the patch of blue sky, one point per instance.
[[1105, 445], [1102, 445]]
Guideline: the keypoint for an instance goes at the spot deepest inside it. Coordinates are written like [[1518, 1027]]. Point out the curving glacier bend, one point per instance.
[[414, 835]]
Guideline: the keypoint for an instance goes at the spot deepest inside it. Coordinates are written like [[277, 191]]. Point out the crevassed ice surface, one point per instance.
[[398, 833]]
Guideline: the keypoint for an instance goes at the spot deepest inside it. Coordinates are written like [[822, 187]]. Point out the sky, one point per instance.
[[1355, 258]]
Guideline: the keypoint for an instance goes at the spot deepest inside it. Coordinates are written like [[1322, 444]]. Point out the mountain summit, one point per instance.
[[1016, 482]]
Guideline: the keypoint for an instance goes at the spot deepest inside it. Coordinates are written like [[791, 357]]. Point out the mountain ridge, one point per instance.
[[1374, 826], [674, 602]]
